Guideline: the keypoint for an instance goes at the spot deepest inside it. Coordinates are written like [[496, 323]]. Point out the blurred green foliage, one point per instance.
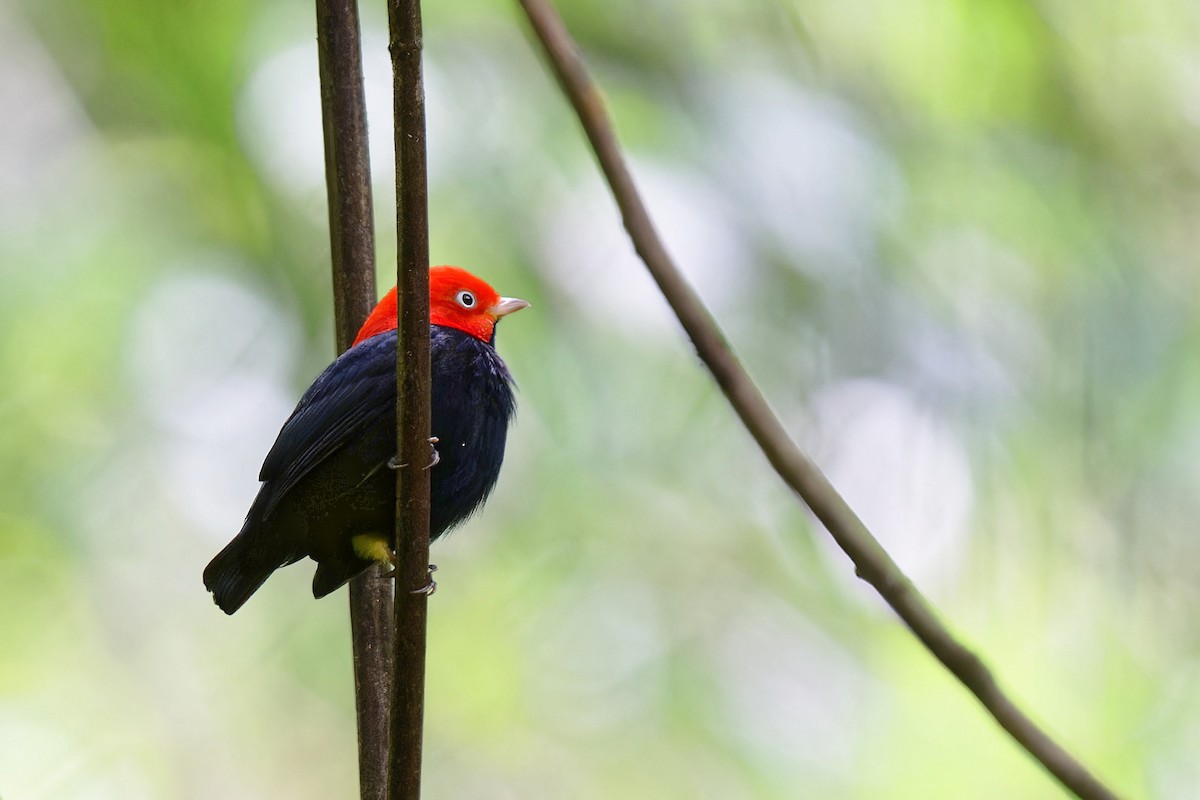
[[955, 240]]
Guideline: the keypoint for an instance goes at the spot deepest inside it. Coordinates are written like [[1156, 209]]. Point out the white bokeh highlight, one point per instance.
[[901, 469], [585, 248], [210, 362], [804, 171]]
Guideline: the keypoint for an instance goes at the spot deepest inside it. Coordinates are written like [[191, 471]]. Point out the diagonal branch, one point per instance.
[[352, 244], [871, 561], [412, 402]]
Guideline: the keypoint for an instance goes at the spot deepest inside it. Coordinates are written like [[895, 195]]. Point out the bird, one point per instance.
[[326, 488]]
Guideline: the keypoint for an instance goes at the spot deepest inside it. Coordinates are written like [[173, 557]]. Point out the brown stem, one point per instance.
[[352, 245], [412, 410], [871, 561]]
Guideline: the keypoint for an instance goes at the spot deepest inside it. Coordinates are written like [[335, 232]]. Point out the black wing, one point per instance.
[[354, 391]]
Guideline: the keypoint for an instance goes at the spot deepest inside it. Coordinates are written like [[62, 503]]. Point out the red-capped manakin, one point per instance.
[[327, 492]]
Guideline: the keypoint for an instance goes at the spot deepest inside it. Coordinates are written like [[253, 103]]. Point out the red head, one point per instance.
[[457, 299]]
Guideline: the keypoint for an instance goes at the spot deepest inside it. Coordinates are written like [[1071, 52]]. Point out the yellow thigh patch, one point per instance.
[[373, 547]]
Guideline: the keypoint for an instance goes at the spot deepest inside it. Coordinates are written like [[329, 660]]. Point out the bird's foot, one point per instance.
[[430, 587], [434, 457]]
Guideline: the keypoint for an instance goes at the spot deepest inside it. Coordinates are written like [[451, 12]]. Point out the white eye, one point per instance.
[[465, 299]]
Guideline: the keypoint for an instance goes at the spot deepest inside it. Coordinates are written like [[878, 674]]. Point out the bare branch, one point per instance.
[[352, 240], [872, 563], [412, 402]]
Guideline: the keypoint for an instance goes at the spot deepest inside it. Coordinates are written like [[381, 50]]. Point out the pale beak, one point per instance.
[[507, 305]]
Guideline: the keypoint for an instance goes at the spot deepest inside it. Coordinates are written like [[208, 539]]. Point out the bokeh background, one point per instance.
[[955, 241]]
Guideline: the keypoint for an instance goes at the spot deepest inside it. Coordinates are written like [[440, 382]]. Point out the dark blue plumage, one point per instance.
[[472, 405], [326, 479]]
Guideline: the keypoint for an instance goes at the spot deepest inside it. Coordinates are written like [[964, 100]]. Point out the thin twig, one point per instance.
[[352, 240], [872, 563], [412, 409]]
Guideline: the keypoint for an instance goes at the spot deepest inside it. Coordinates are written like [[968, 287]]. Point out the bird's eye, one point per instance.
[[465, 299]]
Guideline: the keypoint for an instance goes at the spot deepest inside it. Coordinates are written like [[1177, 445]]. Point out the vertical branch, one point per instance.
[[347, 166], [412, 398], [352, 243]]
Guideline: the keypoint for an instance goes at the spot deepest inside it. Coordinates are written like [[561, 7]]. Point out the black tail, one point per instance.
[[332, 574], [244, 565]]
